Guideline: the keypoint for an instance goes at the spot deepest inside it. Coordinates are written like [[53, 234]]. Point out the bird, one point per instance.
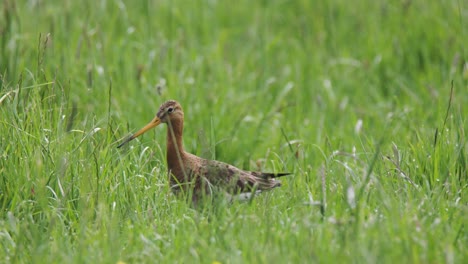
[[201, 177]]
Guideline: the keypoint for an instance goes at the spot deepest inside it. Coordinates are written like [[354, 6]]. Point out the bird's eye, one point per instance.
[[170, 110]]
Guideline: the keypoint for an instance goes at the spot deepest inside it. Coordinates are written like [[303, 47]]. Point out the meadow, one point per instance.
[[365, 102]]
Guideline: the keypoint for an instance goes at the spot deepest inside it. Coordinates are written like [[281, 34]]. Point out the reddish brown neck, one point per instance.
[[175, 149]]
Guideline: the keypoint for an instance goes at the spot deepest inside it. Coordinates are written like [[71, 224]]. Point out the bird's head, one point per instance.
[[169, 112]]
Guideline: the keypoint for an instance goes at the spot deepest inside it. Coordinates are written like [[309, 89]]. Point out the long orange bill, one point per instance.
[[155, 122]]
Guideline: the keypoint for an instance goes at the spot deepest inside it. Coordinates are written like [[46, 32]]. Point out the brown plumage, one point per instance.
[[199, 176]]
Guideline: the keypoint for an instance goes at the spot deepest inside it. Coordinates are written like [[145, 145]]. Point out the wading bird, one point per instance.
[[201, 177]]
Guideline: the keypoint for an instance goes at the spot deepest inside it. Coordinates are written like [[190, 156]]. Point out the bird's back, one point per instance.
[[218, 174]]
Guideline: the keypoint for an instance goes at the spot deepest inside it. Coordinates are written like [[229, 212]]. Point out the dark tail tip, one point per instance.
[[277, 175]]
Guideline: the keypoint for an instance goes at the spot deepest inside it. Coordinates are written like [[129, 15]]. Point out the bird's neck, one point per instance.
[[175, 149]]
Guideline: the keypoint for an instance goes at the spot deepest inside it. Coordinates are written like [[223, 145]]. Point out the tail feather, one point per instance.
[[267, 175]]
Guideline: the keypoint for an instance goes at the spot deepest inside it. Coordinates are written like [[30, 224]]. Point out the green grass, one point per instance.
[[354, 98]]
